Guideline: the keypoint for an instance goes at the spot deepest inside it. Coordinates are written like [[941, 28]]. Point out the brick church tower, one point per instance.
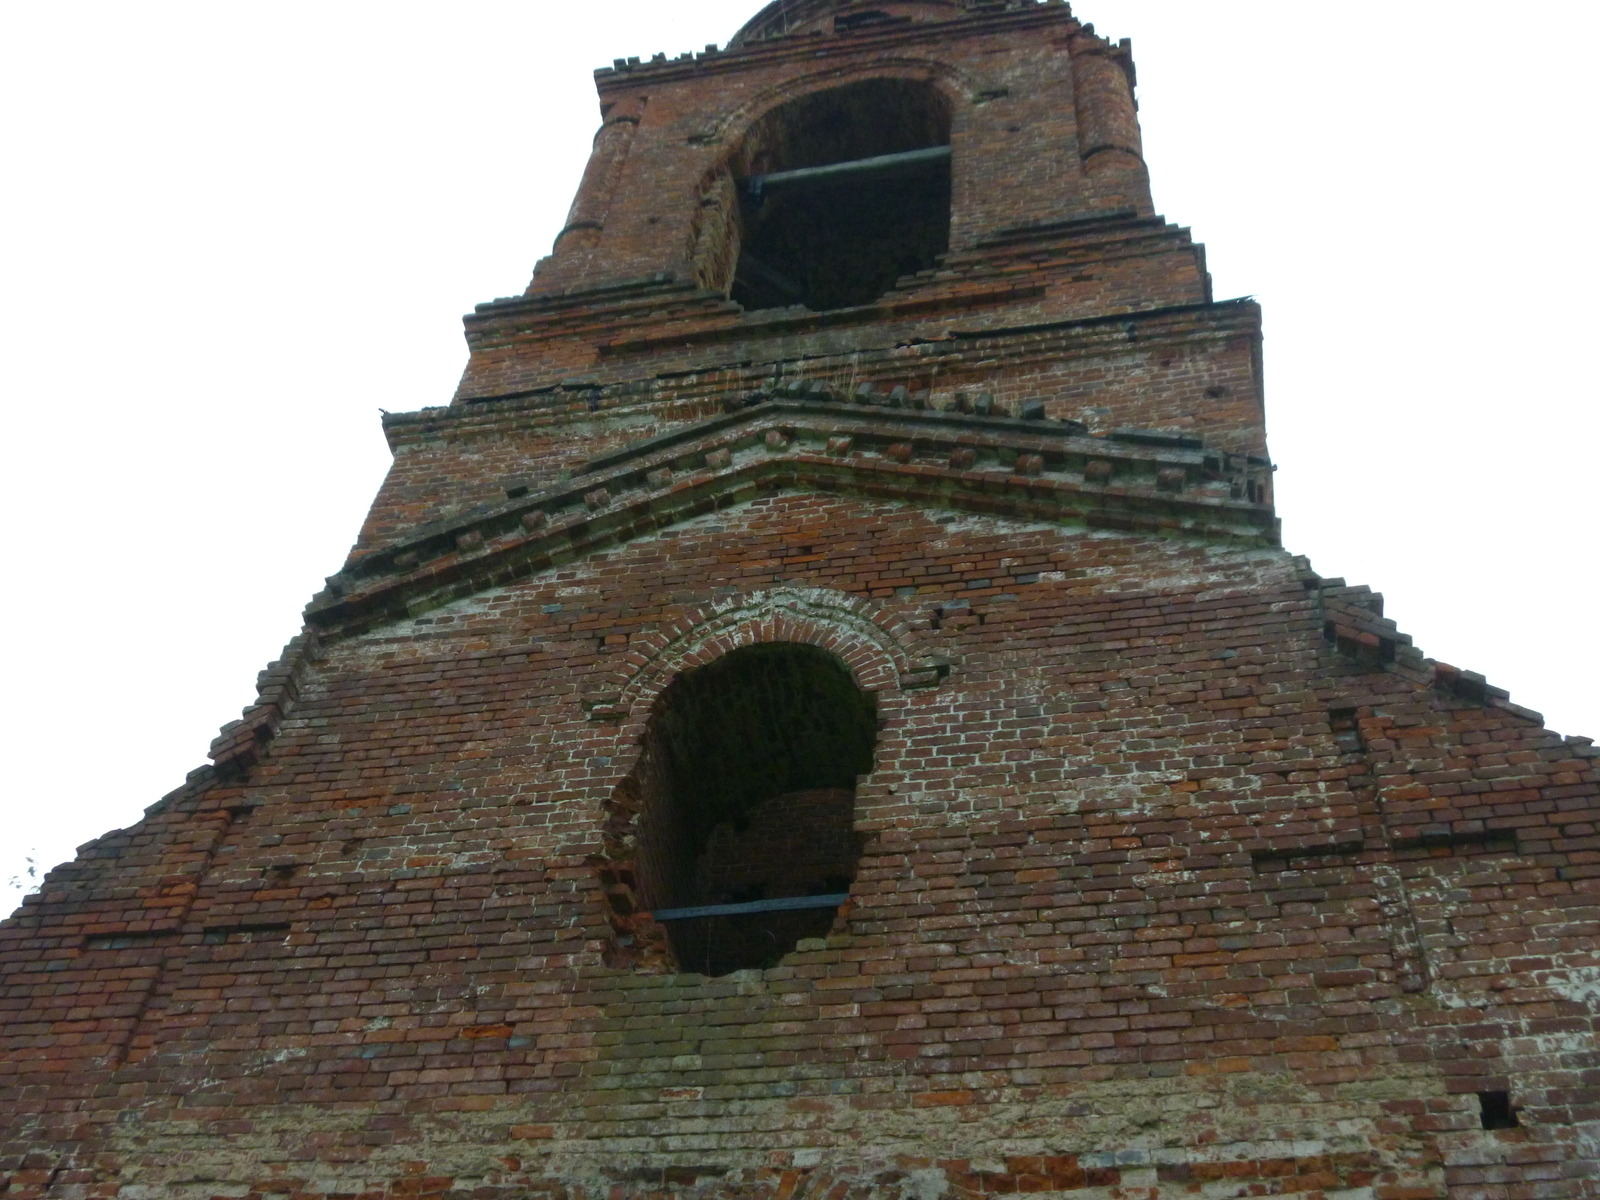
[[825, 713]]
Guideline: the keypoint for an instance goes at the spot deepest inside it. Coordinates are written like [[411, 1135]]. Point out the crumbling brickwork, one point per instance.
[[1173, 869]]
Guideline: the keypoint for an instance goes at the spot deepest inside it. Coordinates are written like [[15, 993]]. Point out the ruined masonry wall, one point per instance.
[[1183, 873], [1128, 882]]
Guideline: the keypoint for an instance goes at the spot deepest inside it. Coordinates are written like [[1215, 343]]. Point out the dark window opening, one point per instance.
[[849, 21], [745, 794], [1494, 1108], [841, 193]]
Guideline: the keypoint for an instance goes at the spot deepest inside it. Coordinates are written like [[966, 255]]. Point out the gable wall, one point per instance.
[[1122, 887]]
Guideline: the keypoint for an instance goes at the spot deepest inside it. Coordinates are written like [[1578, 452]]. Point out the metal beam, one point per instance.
[[861, 168], [782, 904]]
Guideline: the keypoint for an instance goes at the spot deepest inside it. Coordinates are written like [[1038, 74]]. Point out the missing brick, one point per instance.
[[1346, 730], [1367, 650], [128, 941], [1443, 839], [1495, 1111], [223, 935], [1274, 860]]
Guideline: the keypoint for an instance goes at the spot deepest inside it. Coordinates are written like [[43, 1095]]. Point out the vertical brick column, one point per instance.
[[1108, 124], [590, 207]]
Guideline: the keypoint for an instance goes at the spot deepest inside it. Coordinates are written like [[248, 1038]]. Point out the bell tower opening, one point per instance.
[[742, 806], [842, 192]]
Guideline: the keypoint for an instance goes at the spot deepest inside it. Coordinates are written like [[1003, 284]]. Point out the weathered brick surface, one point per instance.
[[1182, 873], [1193, 370]]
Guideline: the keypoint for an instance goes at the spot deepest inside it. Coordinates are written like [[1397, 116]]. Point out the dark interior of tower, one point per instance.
[[842, 192]]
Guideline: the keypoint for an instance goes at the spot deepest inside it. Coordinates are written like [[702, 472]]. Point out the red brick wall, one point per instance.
[[1182, 872], [1118, 862], [1194, 371], [1053, 276]]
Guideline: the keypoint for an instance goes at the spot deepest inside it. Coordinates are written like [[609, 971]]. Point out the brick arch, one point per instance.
[[640, 821], [880, 651], [729, 128]]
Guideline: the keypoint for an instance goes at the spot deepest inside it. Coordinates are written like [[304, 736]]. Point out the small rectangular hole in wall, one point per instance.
[[1306, 858], [1495, 1110], [1443, 841], [223, 935], [1368, 650], [126, 941], [1345, 730]]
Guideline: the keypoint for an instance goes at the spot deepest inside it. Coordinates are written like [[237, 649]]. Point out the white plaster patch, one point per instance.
[[1578, 984], [928, 1183]]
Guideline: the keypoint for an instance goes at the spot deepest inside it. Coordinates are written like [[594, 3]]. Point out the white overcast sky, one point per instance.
[[231, 231]]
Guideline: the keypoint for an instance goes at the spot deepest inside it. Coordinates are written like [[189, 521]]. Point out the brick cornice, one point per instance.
[[1151, 483], [661, 310], [580, 398], [872, 39]]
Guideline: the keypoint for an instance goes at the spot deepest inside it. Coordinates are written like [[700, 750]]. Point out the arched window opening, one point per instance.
[[841, 193], [743, 800]]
